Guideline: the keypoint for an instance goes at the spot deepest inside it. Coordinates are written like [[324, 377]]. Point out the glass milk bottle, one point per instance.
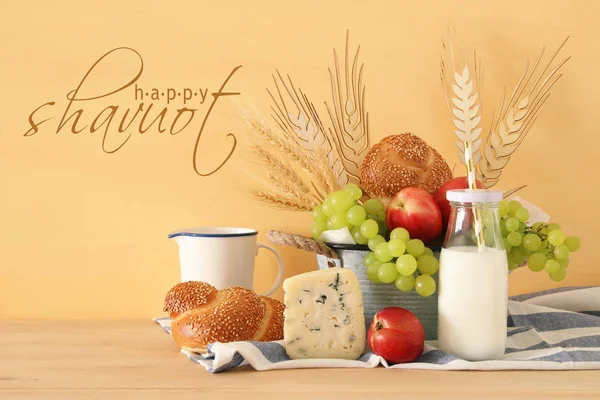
[[473, 280]]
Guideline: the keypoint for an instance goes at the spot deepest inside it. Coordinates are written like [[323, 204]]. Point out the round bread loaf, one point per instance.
[[202, 315], [400, 161]]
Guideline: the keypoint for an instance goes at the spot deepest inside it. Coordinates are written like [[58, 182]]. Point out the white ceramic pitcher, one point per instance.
[[221, 256]]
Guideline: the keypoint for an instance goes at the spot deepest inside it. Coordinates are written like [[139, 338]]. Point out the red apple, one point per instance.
[[460, 182], [416, 211], [397, 335]]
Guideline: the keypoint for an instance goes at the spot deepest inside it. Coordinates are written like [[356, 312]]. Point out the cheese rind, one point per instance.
[[324, 315]]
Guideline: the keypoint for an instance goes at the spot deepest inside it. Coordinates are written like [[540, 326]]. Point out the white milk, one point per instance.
[[472, 303]]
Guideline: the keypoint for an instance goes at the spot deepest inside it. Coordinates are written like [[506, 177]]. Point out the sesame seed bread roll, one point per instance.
[[400, 161], [202, 315]]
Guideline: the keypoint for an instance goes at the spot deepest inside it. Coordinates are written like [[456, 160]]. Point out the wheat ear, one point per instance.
[[287, 184], [289, 188], [316, 168], [284, 203], [284, 146], [297, 118], [347, 113], [276, 166], [464, 97], [462, 92], [516, 116]]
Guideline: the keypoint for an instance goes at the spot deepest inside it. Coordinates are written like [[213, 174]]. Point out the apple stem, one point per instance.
[[378, 326]]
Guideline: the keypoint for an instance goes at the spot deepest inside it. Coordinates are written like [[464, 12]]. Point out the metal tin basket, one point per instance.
[[376, 296]]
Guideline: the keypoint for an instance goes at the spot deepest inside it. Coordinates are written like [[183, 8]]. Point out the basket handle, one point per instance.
[[301, 242]]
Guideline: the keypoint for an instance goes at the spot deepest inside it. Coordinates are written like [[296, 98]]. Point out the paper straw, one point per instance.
[[473, 185]]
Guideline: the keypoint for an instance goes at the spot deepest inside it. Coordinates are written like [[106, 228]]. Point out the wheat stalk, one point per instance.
[[298, 119], [281, 144], [272, 162], [296, 154], [300, 140], [462, 92], [321, 175], [286, 186], [326, 175], [291, 191], [513, 191], [281, 157], [347, 113], [464, 96], [516, 117], [295, 204], [289, 186]]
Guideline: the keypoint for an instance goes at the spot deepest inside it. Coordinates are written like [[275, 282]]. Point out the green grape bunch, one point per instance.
[[403, 261], [342, 209], [541, 246]]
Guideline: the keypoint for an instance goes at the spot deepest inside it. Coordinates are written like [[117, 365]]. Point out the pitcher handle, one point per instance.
[[279, 278]]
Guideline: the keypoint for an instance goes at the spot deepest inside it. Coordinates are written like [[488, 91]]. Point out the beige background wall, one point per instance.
[[83, 232]]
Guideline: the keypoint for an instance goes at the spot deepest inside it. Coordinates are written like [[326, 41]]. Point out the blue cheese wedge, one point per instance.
[[324, 315]]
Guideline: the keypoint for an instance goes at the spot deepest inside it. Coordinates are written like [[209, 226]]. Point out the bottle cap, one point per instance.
[[474, 196]]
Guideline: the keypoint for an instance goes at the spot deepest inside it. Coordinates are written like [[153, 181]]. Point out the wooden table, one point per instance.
[[136, 360]]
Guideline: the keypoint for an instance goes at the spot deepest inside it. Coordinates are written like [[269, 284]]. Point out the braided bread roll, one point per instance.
[[202, 314], [400, 161]]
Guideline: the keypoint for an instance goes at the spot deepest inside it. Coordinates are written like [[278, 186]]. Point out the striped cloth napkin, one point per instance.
[[557, 329]]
